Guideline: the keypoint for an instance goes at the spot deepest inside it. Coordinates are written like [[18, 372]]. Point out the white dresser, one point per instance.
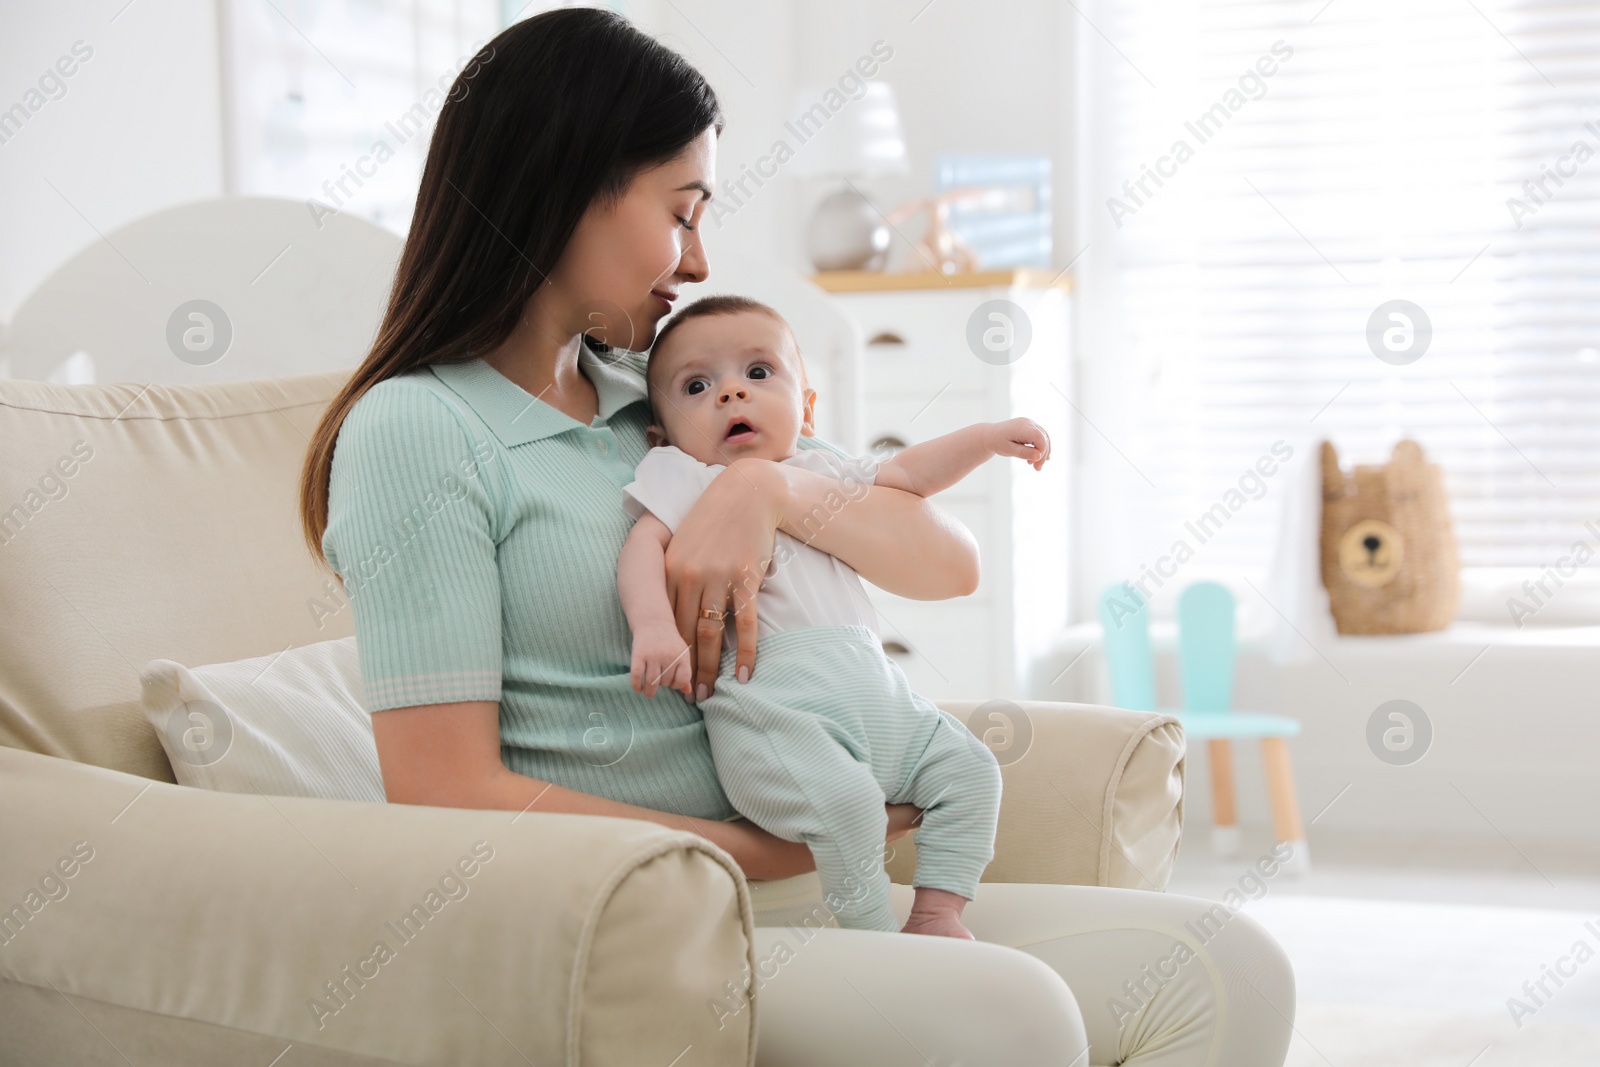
[[942, 352]]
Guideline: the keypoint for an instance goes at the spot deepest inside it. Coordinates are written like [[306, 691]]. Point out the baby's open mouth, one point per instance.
[[740, 431]]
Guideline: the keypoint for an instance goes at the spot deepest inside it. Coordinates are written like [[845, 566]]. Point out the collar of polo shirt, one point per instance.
[[517, 416]]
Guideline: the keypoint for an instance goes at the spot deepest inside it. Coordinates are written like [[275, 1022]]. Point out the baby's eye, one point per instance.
[[689, 387], [766, 371]]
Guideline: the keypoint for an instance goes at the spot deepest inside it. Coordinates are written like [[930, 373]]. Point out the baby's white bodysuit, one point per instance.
[[804, 586]]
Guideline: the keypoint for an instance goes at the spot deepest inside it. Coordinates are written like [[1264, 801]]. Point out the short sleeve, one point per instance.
[[666, 483], [411, 533], [845, 465]]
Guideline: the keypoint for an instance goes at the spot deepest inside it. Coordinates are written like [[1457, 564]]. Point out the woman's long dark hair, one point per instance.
[[558, 111]]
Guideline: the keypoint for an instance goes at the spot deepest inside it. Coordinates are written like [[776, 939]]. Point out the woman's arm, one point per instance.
[[723, 547], [448, 756], [895, 539]]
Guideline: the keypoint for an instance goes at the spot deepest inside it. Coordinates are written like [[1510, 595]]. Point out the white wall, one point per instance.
[[969, 77], [138, 127], [1512, 714]]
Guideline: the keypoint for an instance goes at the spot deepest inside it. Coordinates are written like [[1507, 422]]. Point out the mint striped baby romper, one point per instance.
[[827, 729]]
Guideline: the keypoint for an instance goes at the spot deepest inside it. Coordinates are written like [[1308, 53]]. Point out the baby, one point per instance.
[[825, 730]]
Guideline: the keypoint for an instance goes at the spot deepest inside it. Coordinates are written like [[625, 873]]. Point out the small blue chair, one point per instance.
[[1206, 663]]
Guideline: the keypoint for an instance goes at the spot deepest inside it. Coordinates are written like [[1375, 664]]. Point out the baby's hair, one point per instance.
[[722, 304]]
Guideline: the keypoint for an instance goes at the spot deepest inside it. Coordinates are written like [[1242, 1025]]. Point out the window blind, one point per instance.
[[1242, 227], [334, 104]]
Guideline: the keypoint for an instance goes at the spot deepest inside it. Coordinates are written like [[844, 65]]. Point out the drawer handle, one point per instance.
[[890, 443], [887, 337], [895, 648]]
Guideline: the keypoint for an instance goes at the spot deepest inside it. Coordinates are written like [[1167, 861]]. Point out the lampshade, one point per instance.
[[860, 139]]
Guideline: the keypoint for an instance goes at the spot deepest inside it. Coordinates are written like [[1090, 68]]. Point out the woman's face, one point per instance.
[[626, 261]]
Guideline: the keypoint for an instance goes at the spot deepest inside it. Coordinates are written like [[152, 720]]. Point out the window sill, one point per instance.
[[1460, 634]]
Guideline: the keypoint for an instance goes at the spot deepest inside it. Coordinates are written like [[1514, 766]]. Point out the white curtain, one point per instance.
[[1260, 182]]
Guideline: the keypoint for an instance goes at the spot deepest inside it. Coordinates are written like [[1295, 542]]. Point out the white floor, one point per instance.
[[1407, 951]]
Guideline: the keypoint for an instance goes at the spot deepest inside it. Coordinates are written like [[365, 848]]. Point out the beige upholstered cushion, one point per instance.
[[147, 522], [1096, 798], [292, 724]]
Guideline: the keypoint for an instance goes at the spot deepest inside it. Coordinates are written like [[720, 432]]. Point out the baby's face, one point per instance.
[[718, 371]]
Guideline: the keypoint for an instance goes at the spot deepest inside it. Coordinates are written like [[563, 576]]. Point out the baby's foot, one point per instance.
[[938, 912], [941, 925]]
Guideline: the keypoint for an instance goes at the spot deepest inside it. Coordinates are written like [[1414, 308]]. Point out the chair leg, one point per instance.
[[1286, 826], [1224, 816]]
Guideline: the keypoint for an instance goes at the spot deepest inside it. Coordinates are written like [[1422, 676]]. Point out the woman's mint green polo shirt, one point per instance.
[[476, 529]]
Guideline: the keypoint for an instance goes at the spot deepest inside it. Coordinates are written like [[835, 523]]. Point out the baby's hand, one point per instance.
[[660, 657], [1019, 437]]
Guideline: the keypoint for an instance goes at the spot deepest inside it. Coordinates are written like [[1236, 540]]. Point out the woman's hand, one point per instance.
[[717, 558], [903, 818]]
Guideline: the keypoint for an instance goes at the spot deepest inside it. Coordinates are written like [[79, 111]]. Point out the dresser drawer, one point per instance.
[[942, 646], [922, 368], [914, 419], [920, 378], [917, 343]]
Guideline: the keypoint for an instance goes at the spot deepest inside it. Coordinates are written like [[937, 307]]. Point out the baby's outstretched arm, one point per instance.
[[660, 656], [934, 466]]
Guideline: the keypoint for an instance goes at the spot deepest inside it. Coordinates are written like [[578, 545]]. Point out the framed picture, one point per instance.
[[1009, 226]]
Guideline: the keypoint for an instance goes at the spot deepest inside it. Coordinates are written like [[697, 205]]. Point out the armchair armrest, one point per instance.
[[181, 920], [1095, 797]]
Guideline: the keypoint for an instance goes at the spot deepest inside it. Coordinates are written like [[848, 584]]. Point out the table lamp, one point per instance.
[[860, 140]]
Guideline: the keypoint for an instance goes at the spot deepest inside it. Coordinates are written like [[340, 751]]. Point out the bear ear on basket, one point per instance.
[[1332, 477], [1407, 453], [1409, 477]]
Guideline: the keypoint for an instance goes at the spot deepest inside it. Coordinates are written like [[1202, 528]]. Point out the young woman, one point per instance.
[[465, 486]]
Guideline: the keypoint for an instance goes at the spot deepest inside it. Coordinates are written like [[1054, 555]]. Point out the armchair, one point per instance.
[[137, 915], [147, 921]]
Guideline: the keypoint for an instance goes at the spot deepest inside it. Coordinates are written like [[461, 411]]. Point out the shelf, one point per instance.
[[1460, 635], [877, 281]]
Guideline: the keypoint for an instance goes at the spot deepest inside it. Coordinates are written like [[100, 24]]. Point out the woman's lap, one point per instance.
[[1147, 979]]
